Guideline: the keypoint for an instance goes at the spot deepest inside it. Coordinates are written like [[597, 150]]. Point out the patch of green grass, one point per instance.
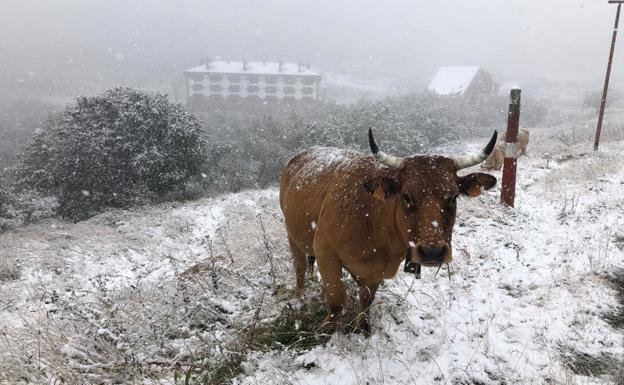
[[296, 328], [224, 372], [221, 373], [293, 328]]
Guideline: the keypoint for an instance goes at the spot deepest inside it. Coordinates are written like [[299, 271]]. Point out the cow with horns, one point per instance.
[[361, 213]]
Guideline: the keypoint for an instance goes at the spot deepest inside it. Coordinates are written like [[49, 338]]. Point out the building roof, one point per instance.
[[453, 80], [252, 67]]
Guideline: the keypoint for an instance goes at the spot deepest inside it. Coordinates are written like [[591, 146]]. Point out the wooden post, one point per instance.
[[508, 189], [606, 83]]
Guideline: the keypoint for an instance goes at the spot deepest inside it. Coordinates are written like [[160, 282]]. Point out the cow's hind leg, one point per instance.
[[366, 295], [299, 262], [334, 290]]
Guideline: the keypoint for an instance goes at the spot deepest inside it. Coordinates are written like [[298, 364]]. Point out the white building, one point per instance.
[[260, 80]]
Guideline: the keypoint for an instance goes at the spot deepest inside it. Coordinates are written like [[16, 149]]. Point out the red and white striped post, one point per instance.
[[508, 188]]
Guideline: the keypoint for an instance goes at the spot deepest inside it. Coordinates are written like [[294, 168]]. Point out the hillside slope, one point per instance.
[[151, 295]]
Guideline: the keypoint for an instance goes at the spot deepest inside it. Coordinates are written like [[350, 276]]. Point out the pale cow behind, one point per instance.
[[496, 158]]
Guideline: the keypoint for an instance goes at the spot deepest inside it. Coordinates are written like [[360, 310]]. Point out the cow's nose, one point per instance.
[[431, 254]]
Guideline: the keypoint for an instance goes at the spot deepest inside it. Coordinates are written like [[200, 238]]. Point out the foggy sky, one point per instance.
[[80, 46]]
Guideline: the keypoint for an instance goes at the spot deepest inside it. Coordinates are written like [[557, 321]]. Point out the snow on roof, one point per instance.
[[252, 67], [452, 80]]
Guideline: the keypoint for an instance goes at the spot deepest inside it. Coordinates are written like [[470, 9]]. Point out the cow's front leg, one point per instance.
[[366, 295], [334, 290]]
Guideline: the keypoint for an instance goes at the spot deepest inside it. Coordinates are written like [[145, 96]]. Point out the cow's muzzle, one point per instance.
[[432, 254]]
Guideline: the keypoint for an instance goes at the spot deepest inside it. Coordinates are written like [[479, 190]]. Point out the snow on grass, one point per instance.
[[131, 289], [527, 287], [155, 294]]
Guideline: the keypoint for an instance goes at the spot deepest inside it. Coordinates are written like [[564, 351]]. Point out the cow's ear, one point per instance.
[[382, 187], [473, 184]]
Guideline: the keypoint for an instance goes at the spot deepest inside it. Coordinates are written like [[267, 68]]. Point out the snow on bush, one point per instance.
[[252, 140], [24, 207], [116, 149], [4, 198]]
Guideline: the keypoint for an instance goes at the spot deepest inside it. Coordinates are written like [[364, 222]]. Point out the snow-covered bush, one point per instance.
[[4, 201], [233, 170], [23, 207], [252, 140], [30, 206], [116, 149]]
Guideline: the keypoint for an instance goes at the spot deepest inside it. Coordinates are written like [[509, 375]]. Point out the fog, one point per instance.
[[63, 48], [156, 225]]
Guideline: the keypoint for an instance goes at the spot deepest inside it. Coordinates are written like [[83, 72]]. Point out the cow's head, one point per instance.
[[425, 190]]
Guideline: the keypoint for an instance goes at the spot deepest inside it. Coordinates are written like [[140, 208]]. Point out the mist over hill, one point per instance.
[[66, 48]]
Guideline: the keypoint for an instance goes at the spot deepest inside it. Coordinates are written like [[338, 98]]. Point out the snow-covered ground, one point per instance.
[[147, 296]]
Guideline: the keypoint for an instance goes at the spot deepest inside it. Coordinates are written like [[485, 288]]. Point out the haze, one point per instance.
[[63, 48]]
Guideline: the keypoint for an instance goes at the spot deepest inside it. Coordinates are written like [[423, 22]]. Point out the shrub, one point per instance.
[[19, 208], [116, 149], [6, 203], [25, 208], [4, 198], [252, 140]]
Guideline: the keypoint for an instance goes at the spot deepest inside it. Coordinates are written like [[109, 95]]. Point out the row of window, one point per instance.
[[256, 97], [270, 79], [252, 89]]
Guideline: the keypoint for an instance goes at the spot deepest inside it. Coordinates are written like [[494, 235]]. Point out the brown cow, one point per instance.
[[496, 158], [362, 213]]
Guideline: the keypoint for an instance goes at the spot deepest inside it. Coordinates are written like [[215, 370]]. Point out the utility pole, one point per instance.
[[606, 83]]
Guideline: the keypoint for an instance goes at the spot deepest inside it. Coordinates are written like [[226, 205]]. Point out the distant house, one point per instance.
[[469, 82], [254, 80]]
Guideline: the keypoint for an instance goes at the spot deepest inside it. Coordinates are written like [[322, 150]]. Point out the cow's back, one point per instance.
[[304, 185]]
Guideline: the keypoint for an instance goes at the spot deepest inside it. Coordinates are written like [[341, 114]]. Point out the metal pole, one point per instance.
[[606, 83], [508, 188]]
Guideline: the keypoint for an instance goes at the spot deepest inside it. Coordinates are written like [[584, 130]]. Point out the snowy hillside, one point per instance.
[[200, 292]]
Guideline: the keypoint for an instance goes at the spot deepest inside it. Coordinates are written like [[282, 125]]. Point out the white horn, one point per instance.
[[464, 161], [382, 157]]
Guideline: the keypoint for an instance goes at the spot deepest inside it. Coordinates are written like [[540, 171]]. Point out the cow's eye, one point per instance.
[[407, 199]]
